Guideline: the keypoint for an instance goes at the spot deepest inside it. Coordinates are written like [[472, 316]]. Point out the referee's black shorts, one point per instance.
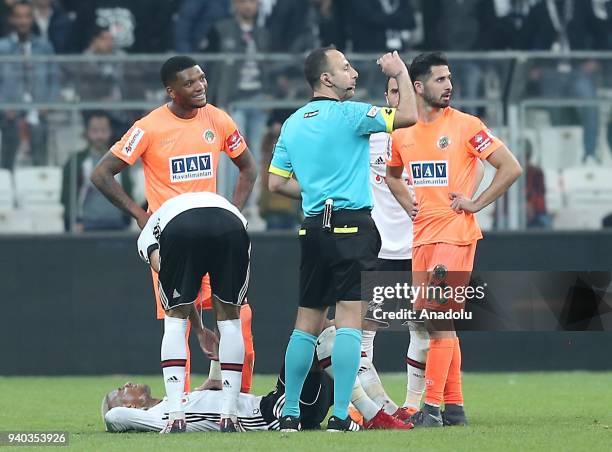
[[198, 241], [332, 261]]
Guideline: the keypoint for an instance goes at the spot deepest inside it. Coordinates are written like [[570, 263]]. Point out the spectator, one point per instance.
[[25, 82], [380, 25], [5, 12], [458, 26], [137, 26], [53, 24], [502, 31], [98, 79], [562, 26], [280, 212], [242, 79], [194, 22], [537, 216], [84, 205], [299, 26]]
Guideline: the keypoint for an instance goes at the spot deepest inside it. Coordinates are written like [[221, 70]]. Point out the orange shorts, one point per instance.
[[441, 268], [203, 302]]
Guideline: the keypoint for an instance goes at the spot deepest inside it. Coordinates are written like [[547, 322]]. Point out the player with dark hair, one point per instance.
[[180, 145], [325, 143], [441, 153]]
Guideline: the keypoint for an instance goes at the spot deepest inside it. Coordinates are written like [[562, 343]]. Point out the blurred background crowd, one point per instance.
[[75, 74]]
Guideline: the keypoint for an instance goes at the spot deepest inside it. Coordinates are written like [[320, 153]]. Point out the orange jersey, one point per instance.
[[441, 158], [179, 155]]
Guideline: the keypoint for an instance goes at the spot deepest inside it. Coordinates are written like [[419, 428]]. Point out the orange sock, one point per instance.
[[249, 352], [438, 363], [188, 363], [452, 390]]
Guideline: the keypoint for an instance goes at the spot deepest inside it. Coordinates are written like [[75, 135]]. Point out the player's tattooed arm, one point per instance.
[[400, 190], [103, 177], [246, 179]]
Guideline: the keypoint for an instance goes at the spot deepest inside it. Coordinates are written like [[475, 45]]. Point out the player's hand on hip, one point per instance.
[[460, 203], [414, 209], [391, 64]]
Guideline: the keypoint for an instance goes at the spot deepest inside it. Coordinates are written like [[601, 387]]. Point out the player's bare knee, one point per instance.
[[179, 312], [225, 311]]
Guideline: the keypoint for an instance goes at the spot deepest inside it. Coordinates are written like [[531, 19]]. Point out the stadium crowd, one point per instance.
[[102, 29]]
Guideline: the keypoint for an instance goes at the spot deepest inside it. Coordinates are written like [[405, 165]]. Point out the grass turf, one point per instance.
[[524, 411]]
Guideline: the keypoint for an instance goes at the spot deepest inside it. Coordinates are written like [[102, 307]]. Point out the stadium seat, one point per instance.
[[485, 216], [554, 190], [7, 197], [38, 185], [559, 147], [578, 219], [14, 221], [587, 192], [47, 219], [588, 186]]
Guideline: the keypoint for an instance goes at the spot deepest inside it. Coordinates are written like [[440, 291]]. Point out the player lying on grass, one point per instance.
[[132, 408]]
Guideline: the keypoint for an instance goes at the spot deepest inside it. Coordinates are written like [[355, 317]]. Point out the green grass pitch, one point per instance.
[[519, 411]]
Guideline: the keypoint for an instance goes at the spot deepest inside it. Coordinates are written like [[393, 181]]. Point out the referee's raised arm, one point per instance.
[[393, 66], [323, 155]]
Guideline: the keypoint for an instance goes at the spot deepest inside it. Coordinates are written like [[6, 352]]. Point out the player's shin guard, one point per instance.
[[231, 359], [415, 364], [453, 393], [298, 359], [345, 359], [173, 359], [370, 381], [439, 360]]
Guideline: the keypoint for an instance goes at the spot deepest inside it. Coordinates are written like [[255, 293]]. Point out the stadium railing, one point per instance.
[[562, 104]]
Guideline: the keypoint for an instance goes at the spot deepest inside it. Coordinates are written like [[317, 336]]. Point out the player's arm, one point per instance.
[[246, 178], [287, 186], [280, 177], [123, 419], [507, 171], [400, 190], [480, 170], [406, 113], [103, 177]]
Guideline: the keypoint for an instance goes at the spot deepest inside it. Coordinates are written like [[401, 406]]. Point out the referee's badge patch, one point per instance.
[[443, 142], [311, 114], [209, 136], [373, 112]]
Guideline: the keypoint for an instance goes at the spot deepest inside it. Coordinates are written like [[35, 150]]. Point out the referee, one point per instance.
[[325, 146]]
